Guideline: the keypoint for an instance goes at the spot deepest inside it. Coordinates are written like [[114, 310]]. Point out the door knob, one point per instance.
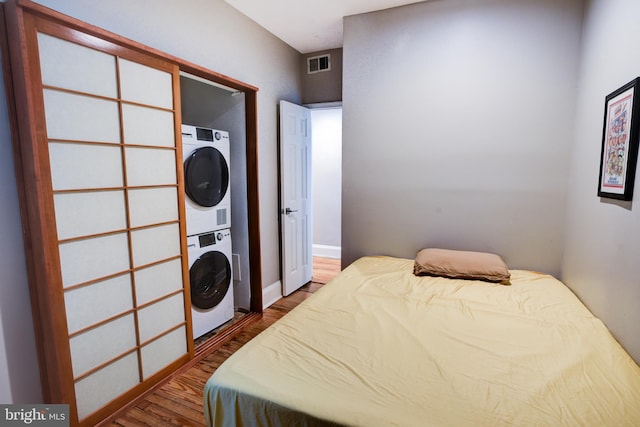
[[288, 211]]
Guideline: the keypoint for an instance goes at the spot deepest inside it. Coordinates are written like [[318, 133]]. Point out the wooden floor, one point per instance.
[[179, 401]]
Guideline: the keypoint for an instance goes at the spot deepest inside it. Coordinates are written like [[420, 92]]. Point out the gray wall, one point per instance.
[[209, 33], [602, 245], [325, 86], [457, 128]]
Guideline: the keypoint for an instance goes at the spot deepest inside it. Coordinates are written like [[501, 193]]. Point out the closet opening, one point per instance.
[[213, 108], [326, 178]]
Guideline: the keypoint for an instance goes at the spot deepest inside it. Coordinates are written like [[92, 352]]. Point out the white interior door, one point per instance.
[[295, 189]]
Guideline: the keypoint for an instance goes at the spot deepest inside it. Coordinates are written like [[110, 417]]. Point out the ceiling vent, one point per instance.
[[316, 64]]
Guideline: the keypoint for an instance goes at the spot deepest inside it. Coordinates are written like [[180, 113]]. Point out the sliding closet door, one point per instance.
[[106, 170]]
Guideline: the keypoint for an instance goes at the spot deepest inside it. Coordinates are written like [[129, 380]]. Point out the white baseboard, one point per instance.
[[271, 294], [327, 251]]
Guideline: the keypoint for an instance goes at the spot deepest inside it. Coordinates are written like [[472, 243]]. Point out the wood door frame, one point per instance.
[[18, 16]]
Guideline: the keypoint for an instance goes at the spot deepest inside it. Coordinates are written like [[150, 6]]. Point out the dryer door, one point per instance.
[[210, 277], [206, 176]]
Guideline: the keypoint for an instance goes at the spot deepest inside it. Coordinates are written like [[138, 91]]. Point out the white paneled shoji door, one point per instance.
[[111, 137], [107, 189]]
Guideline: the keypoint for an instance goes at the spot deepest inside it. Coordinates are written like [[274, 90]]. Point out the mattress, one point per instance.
[[378, 346]]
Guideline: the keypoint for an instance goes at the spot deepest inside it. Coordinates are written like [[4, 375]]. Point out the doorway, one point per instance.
[[310, 193], [326, 143]]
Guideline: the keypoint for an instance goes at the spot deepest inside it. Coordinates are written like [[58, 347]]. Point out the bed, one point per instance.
[[379, 346]]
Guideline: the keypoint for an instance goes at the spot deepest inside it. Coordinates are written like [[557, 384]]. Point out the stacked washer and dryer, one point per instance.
[[208, 216]]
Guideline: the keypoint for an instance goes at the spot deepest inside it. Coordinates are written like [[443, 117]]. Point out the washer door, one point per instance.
[[210, 277], [206, 176]]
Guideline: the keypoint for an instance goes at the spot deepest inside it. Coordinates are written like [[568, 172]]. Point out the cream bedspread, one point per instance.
[[378, 346]]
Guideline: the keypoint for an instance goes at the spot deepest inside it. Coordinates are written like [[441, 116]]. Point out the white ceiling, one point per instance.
[[309, 25]]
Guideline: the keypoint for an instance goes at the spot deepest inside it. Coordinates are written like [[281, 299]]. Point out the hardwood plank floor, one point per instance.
[[178, 402], [325, 269]]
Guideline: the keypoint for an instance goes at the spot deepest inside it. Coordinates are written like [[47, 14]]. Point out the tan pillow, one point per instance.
[[461, 265]]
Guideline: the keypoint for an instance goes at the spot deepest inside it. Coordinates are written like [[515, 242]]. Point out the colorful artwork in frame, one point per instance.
[[620, 142]]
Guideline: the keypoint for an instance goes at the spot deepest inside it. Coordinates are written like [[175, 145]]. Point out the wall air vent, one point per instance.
[[316, 64]]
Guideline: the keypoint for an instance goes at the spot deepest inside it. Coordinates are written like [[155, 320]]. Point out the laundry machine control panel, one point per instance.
[[207, 239], [210, 239]]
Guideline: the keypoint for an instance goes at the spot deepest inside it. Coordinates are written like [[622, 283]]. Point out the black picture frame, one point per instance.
[[620, 135]]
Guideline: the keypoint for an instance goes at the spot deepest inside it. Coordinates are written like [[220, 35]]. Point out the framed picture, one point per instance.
[[620, 142]]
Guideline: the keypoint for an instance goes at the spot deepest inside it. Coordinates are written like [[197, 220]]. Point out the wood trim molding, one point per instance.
[[177, 127], [253, 199]]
